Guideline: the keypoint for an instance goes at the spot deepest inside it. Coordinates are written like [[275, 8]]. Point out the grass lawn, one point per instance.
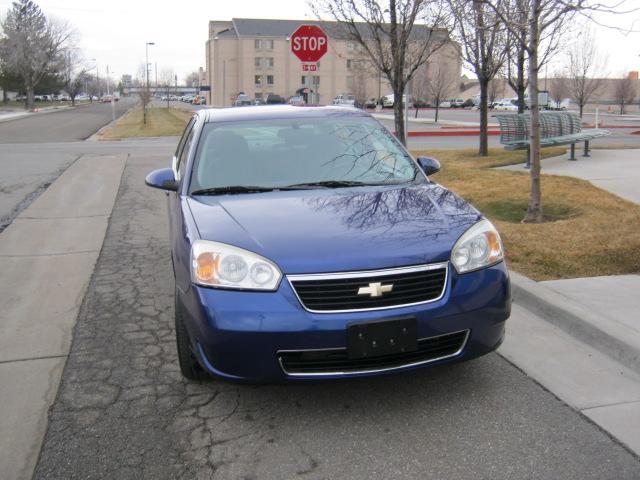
[[161, 121], [588, 232]]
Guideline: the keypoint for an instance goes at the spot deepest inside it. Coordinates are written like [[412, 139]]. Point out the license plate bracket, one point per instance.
[[382, 337]]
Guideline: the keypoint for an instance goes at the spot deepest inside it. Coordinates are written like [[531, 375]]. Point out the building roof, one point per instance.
[[260, 27]]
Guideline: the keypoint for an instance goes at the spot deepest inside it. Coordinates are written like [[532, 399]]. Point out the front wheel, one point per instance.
[[189, 366]]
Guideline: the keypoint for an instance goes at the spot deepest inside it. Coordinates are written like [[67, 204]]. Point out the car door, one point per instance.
[[180, 245]]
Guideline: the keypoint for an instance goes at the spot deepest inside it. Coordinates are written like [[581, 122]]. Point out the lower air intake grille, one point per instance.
[[335, 361]]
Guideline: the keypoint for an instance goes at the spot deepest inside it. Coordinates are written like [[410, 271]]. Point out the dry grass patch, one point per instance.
[[591, 232], [160, 122]]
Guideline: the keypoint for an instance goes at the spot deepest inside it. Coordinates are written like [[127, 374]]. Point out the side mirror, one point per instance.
[[162, 179], [429, 166]]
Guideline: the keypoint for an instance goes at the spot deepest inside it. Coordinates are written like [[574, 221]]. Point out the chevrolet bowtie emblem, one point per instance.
[[375, 289]]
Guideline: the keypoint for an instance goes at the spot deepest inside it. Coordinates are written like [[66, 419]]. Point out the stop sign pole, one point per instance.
[[309, 43]]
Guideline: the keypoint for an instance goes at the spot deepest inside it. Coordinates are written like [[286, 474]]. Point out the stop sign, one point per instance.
[[309, 43]]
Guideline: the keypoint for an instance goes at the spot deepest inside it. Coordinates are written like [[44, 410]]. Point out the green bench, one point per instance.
[[556, 128]]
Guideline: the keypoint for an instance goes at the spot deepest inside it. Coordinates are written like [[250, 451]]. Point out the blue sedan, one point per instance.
[[308, 244]]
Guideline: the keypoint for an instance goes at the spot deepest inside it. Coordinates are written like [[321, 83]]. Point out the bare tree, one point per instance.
[[584, 64], [361, 71], [496, 89], [625, 92], [396, 36], [167, 76], [559, 88], [74, 73], [533, 23], [420, 87], [516, 63], [192, 80], [32, 45], [440, 85], [483, 40]]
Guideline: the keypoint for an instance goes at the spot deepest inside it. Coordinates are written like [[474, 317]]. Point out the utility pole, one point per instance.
[[147, 93], [113, 107]]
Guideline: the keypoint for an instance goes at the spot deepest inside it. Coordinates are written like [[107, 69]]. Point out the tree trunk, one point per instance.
[[437, 110], [483, 149], [581, 107], [5, 97], [416, 116], [73, 100], [30, 98], [398, 113], [520, 82], [534, 211]]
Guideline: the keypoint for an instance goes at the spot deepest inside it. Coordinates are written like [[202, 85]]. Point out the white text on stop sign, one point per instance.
[[308, 43]]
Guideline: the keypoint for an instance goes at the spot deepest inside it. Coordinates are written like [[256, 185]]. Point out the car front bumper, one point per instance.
[[238, 334]]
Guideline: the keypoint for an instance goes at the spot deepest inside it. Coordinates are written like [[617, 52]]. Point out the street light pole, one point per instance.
[[146, 71], [113, 107]]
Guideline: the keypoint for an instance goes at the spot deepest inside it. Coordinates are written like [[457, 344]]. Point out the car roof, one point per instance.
[[273, 112]]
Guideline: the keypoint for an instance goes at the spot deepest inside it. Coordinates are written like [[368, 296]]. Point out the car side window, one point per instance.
[[183, 147], [182, 161]]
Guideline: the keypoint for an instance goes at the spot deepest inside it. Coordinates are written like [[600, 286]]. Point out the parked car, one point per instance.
[[242, 100], [274, 99], [308, 244], [389, 100], [505, 107], [420, 103], [296, 100], [344, 99], [259, 101], [371, 103]]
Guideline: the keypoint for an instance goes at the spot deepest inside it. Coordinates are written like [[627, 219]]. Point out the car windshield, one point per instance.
[[298, 153]]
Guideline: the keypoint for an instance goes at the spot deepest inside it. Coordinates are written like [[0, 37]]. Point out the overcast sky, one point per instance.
[[115, 31]]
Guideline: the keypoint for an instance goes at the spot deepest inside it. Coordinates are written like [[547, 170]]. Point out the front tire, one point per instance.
[[189, 366]]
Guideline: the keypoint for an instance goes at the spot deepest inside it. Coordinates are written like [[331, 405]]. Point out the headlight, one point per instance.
[[478, 247], [215, 264]]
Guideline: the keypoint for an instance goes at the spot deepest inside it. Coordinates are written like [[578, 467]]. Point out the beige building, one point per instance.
[[254, 56]]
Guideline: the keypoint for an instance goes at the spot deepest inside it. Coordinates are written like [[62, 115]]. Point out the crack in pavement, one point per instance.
[[123, 410]]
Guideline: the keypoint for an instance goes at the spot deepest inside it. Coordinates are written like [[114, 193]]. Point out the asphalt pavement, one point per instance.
[[62, 126], [123, 411]]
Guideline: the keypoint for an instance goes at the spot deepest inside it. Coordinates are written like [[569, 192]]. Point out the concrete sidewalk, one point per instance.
[[47, 256], [617, 171], [588, 352]]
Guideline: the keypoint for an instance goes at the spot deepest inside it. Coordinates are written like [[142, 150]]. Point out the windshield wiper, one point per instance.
[[232, 189], [328, 184]]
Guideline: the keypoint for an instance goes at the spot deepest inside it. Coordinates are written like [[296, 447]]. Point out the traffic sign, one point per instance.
[[309, 43]]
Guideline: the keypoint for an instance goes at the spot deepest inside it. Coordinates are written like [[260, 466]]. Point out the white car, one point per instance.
[[505, 107], [344, 99], [388, 100]]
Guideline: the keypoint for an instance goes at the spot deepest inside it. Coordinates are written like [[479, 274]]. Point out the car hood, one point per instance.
[[330, 230]]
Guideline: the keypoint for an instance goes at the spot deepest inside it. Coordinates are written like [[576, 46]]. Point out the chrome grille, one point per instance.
[[338, 292]]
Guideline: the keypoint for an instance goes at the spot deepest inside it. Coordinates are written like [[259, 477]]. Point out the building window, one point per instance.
[[262, 44], [352, 46], [263, 62], [258, 95], [316, 80], [269, 79], [258, 80], [349, 63]]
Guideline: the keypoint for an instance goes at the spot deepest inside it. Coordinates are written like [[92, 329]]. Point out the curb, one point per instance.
[[95, 137], [451, 133], [609, 337]]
